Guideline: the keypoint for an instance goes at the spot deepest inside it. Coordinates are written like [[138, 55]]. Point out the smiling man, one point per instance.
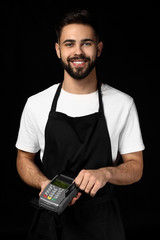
[[78, 55], [80, 125]]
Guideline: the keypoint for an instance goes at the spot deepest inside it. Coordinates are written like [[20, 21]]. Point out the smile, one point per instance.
[[79, 63]]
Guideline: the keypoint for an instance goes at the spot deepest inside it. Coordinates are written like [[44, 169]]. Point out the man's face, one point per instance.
[[78, 50]]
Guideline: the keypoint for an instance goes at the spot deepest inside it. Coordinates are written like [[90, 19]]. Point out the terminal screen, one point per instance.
[[60, 183]]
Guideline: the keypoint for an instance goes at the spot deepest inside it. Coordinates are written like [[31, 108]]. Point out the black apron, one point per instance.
[[73, 144]]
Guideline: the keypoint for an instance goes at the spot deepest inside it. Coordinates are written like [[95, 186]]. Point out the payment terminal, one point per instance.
[[58, 193]]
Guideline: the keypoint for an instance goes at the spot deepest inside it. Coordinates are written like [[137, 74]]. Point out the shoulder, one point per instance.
[[44, 95], [42, 99], [116, 98], [38, 106]]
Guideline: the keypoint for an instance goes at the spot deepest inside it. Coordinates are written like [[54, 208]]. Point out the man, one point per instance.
[[80, 125]]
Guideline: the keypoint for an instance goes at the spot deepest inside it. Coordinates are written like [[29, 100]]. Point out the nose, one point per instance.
[[78, 49]]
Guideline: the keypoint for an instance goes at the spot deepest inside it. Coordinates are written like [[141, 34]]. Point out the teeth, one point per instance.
[[78, 62]]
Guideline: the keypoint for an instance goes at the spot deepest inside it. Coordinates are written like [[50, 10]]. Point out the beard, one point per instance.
[[80, 72]]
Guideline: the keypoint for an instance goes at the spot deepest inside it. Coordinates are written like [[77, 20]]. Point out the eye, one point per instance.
[[69, 44], [87, 44]]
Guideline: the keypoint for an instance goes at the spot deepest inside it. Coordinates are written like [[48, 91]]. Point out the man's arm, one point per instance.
[[130, 171], [29, 172], [90, 181]]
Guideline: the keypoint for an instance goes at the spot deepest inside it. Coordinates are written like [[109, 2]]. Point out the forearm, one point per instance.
[[124, 174], [28, 170]]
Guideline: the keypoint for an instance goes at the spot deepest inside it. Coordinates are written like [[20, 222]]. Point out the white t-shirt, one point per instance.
[[119, 109]]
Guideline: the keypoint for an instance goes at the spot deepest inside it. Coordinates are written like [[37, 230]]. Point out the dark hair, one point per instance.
[[77, 16]]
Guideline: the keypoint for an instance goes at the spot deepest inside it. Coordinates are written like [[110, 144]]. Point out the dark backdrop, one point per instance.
[[29, 65]]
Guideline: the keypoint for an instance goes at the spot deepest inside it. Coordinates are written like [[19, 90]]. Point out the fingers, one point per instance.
[[90, 181], [95, 189], [75, 199], [82, 180]]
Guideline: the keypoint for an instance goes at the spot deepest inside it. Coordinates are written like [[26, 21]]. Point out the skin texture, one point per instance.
[[78, 48]]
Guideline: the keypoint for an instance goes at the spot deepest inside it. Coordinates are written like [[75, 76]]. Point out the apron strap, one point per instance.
[[54, 103], [100, 98]]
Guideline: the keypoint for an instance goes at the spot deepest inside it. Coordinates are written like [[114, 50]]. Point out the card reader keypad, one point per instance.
[[52, 192], [58, 194]]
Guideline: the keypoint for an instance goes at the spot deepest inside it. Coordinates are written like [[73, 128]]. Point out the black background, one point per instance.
[[29, 65]]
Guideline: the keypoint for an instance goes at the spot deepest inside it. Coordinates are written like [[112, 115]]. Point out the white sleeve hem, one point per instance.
[[27, 148], [133, 149]]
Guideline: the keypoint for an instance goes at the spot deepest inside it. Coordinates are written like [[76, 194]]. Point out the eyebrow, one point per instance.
[[87, 40], [83, 40]]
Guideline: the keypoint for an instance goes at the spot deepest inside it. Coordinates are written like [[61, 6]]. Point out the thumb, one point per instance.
[[43, 186]]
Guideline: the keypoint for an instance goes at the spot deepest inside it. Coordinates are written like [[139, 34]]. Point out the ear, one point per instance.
[[57, 47], [99, 48]]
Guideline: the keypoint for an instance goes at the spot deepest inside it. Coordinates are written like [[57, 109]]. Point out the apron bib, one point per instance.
[[73, 144]]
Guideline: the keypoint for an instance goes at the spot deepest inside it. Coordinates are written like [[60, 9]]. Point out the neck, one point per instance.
[[83, 86]]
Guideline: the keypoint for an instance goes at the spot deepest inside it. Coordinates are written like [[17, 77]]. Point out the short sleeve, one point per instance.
[[27, 137], [130, 139]]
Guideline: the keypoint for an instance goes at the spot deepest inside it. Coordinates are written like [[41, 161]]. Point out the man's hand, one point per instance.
[[75, 199], [91, 181], [44, 185]]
